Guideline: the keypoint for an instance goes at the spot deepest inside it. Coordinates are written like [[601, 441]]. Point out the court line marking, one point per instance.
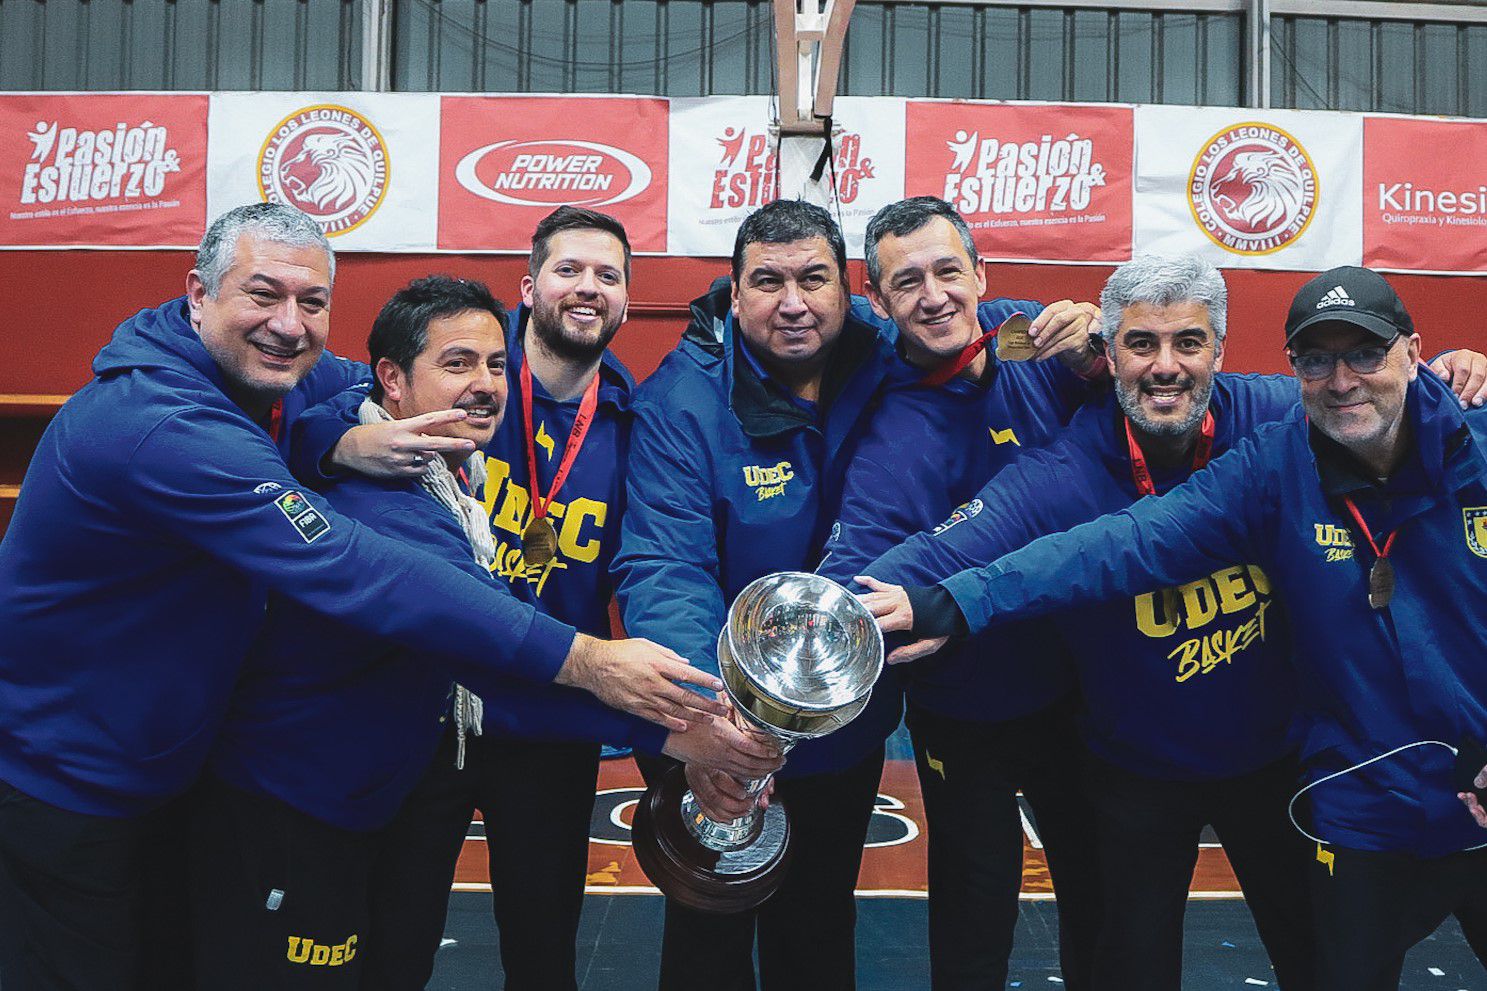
[[1027, 896]]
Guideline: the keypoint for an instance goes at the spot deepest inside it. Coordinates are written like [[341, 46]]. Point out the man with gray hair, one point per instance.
[[1387, 634], [1186, 691], [154, 519]]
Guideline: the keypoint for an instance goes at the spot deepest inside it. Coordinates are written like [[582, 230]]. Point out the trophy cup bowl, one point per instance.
[[799, 656]]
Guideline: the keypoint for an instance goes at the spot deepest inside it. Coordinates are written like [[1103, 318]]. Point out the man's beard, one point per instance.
[[1129, 398], [547, 326]]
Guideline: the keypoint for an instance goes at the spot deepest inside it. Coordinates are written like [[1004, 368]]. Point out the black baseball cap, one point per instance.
[[1349, 294]]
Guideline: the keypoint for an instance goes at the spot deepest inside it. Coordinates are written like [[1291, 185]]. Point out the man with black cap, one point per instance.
[[1369, 515]]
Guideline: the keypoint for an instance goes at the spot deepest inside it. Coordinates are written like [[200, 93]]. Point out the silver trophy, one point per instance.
[[799, 656]]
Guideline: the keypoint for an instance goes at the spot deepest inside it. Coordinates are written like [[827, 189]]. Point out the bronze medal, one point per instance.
[[539, 542], [1012, 340], [1380, 583]]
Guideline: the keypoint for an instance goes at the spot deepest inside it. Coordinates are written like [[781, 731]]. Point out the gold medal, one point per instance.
[[1380, 583], [1012, 340], [539, 542]]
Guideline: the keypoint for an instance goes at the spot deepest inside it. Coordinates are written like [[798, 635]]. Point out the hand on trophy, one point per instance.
[[718, 744], [800, 656], [891, 607], [640, 677], [723, 797]]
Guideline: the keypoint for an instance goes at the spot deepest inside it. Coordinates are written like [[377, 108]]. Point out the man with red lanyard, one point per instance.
[[554, 491], [965, 399], [1187, 692]]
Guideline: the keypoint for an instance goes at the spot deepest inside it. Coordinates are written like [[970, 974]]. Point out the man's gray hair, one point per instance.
[[1158, 280], [904, 218], [273, 222]]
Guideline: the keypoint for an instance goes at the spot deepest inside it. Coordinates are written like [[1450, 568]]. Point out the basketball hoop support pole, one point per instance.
[[810, 36]]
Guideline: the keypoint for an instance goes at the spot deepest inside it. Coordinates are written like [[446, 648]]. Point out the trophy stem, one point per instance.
[[698, 876], [738, 833]]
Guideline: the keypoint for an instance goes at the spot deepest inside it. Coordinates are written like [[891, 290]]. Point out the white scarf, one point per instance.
[[469, 513]]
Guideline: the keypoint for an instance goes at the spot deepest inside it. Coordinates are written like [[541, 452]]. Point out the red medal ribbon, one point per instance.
[[276, 420], [1141, 474], [1363, 528], [968, 354], [581, 423]]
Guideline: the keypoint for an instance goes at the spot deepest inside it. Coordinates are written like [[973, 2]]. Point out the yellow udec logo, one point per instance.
[[1475, 519], [1337, 541], [303, 949], [768, 481]]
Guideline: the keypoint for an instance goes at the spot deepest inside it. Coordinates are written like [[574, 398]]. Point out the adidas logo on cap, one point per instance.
[[1337, 297]]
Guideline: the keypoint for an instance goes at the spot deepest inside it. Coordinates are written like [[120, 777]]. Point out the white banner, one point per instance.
[[722, 167], [1250, 188], [362, 165]]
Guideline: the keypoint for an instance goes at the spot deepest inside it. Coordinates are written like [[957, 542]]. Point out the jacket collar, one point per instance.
[[763, 408], [1440, 439]]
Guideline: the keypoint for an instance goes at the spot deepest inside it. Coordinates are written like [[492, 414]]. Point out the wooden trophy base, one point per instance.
[[699, 877]]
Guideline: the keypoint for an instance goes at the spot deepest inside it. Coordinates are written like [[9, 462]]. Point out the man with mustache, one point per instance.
[[154, 519], [555, 533], [1187, 692], [564, 381], [331, 729], [740, 440]]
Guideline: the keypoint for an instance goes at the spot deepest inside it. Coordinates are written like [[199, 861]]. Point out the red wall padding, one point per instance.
[[62, 305]]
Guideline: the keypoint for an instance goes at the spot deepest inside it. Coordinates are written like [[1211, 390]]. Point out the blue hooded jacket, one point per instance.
[[927, 450], [1370, 679], [153, 520], [730, 479], [1190, 683], [341, 725], [575, 585]]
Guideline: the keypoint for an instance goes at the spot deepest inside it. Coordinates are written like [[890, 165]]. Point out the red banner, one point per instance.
[[507, 162], [1034, 182], [91, 169], [1424, 195]]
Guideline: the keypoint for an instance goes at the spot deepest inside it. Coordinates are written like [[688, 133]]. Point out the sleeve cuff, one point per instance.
[[936, 613]]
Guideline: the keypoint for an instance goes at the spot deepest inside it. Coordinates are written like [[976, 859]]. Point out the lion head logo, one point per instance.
[[329, 162], [331, 171], [1253, 189], [1260, 191]]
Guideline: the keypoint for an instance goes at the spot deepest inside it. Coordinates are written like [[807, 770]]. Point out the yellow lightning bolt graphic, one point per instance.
[[938, 766], [1000, 437], [1326, 857], [544, 441]]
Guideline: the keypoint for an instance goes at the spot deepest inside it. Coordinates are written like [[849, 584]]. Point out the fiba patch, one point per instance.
[[305, 518], [1475, 520]]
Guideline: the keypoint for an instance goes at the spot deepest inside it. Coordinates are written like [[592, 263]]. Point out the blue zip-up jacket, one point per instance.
[[1190, 683], [341, 725], [1370, 679], [153, 519], [575, 586], [927, 450], [730, 479]]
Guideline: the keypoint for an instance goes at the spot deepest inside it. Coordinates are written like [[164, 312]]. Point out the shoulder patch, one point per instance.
[[963, 512], [264, 488], [306, 519], [1475, 519]]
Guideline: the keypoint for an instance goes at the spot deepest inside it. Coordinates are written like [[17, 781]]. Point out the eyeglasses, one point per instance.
[[1317, 365]]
